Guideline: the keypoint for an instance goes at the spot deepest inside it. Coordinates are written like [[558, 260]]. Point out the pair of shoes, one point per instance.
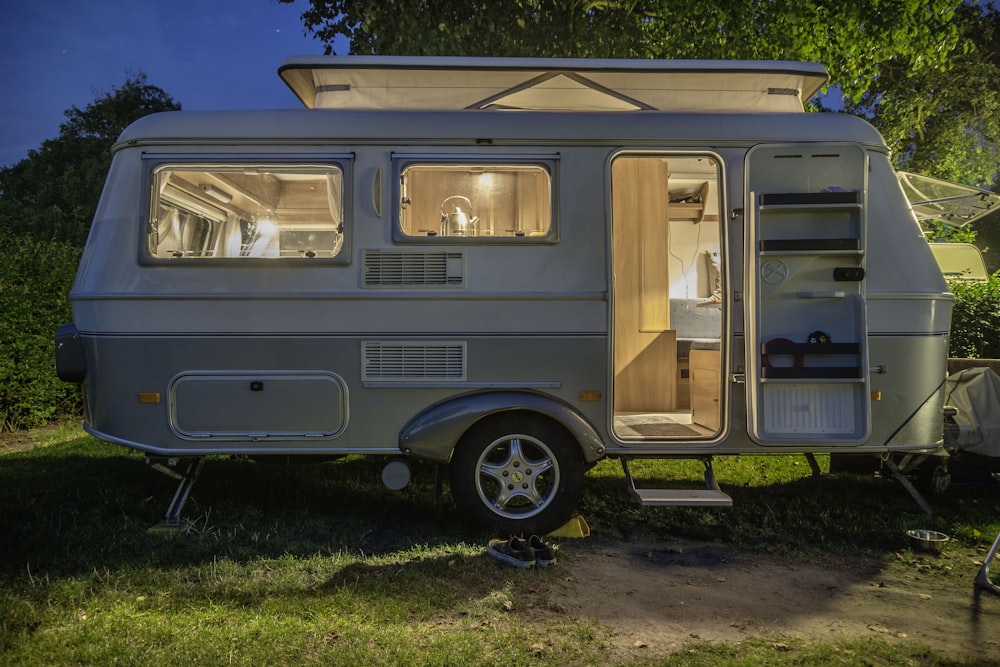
[[514, 551], [545, 554], [523, 553]]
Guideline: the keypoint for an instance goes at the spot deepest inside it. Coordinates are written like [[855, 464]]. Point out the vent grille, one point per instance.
[[413, 361], [414, 269]]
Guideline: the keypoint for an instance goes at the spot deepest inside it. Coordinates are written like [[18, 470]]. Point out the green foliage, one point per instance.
[[53, 193], [47, 202], [975, 319], [944, 122], [852, 39], [35, 277], [941, 232]]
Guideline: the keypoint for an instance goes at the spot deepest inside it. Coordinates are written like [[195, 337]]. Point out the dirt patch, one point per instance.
[[657, 595]]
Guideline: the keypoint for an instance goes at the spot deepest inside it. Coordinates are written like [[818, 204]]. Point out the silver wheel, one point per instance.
[[517, 473], [517, 476]]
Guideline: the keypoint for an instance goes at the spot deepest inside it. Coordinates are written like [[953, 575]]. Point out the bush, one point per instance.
[[35, 278], [975, 319]]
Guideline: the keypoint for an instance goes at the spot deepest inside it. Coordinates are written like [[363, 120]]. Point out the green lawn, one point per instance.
[[319, 564]]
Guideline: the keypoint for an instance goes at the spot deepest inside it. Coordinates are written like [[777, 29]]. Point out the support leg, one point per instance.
[[983, 578], [908, 485], [813, 464], [185, 470], [710, 482]]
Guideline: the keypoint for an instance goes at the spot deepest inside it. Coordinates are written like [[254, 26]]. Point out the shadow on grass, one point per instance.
[[79, 505], [811, 516], [82, 504]]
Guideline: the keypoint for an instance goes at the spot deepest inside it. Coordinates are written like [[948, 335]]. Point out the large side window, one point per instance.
[[474, 201], [246, 211]]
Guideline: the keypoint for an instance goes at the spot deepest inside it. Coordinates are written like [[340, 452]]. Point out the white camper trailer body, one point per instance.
[[700, 270]]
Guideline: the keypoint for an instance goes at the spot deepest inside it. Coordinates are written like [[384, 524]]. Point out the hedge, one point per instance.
[[35, 277], [975, 319]]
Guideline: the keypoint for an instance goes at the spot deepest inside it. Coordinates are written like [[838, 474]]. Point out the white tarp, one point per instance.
[[551, 84], [975, 392]]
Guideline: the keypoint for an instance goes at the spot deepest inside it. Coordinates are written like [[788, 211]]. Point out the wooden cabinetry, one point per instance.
[[645, 352], [706, 369]]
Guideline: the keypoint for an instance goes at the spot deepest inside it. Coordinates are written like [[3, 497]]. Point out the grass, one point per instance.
[[320, 564]]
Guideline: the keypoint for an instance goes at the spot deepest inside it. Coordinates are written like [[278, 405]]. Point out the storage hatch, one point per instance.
[[257, 405]]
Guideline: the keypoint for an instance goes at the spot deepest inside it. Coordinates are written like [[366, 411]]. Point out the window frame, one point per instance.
[[154, 165], [548, 162]]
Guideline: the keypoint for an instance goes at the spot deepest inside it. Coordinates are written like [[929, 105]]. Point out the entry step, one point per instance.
[[710, 496], [682, 497]]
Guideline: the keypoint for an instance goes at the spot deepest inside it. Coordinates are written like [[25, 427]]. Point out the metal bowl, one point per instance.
[[930, 541]]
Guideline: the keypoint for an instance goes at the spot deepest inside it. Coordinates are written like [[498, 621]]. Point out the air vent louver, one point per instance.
[[392, 361], [413, 269]]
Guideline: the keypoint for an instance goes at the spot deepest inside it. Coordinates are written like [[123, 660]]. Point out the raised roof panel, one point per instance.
[[551, 84]]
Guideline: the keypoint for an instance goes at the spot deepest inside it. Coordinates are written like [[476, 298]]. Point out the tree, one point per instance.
[[53, 193], [853, 38], [945, 123]]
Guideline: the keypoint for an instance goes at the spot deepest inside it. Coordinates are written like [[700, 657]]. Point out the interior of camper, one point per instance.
[[668, 305], [221, 211], [479, 200]]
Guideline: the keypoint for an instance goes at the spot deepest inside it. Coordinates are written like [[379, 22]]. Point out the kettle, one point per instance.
[[458, 223]]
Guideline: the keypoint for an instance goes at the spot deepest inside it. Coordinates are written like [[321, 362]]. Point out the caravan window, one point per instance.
[[476, 201], [246, 211]]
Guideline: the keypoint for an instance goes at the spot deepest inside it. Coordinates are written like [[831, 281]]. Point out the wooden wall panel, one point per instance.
[[645, 350]]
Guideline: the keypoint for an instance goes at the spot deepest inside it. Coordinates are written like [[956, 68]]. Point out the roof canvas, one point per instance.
[[551, 84]]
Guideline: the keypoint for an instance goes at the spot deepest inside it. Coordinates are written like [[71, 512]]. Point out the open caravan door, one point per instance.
[[805, 314]]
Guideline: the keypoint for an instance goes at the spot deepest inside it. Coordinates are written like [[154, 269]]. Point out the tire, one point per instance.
[[933, 476], [518, 474]]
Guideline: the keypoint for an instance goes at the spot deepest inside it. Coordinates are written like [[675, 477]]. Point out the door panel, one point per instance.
[[806, 315]]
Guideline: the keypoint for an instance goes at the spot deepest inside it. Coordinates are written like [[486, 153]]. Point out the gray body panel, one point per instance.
[[161, 340]]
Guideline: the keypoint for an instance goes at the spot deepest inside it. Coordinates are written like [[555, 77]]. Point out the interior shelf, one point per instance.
[[811, 348], [827, 246], [824, 373], [810, 200]]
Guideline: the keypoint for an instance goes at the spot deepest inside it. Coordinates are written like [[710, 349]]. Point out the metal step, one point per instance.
[[681, 497], [711, 496]]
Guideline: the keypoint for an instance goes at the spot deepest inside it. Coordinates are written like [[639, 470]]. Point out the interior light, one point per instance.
[[217, 194]]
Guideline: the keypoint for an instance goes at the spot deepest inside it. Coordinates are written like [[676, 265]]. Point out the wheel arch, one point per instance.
[[434, 433]]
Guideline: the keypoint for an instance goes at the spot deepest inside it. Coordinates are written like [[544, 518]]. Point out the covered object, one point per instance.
[[975, 392]]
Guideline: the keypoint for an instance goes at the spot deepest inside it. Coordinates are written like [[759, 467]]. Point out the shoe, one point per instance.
[[545, 554], [514, 551]]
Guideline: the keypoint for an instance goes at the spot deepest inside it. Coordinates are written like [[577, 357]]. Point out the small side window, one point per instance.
[[246, 211], [475, 201]]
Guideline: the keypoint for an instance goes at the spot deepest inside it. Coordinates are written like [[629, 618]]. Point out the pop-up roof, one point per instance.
[[551, 84]]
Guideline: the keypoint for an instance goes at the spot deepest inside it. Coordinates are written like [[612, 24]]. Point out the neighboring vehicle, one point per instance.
[[513, 267]]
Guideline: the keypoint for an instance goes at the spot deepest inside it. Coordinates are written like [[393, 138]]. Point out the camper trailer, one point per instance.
[[514, 268]]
